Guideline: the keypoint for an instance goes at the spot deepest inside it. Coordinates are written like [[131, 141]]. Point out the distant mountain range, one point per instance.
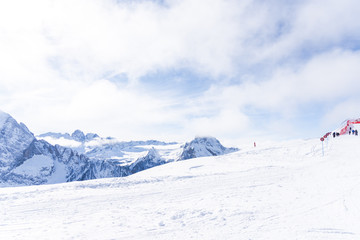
[[48, 158]]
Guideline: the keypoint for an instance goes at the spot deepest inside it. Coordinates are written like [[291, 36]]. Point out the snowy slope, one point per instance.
[[34, 166], [280, 191]]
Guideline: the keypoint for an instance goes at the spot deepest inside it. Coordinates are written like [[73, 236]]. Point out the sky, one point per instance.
[[175, 69]]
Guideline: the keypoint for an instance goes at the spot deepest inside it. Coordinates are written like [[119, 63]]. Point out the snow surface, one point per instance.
[[281, 191], [59, 175], [35, 166]]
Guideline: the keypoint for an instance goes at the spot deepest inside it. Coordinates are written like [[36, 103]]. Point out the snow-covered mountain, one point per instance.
[[24, 160], [204, 147], [58, 157], [131, 154]]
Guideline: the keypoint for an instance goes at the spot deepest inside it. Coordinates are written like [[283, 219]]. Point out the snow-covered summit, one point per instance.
[[203, 147]]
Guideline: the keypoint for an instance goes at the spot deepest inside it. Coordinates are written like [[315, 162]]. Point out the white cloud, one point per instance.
[[324, 78], [103, 108], [312, 27], [321, 82], [57, 55], [140, 37]]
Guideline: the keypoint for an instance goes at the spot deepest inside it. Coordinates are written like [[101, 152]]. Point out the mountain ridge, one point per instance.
[[27, 160]]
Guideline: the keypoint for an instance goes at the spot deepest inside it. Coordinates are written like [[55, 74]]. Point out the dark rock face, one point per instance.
[[106, 169]]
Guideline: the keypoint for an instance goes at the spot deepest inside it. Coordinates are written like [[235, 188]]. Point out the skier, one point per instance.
[[254, 144]]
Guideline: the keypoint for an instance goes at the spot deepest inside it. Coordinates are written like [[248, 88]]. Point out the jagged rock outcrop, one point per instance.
[[78, 136], [64, 164], [14, 138], [151, 159]]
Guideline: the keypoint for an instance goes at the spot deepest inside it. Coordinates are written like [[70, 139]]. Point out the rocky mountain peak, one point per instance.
[[78, 136], [151, 159], [203, 147], [14, 138]]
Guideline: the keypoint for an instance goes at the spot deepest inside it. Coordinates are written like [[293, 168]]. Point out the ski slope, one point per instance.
[[283, 190]]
